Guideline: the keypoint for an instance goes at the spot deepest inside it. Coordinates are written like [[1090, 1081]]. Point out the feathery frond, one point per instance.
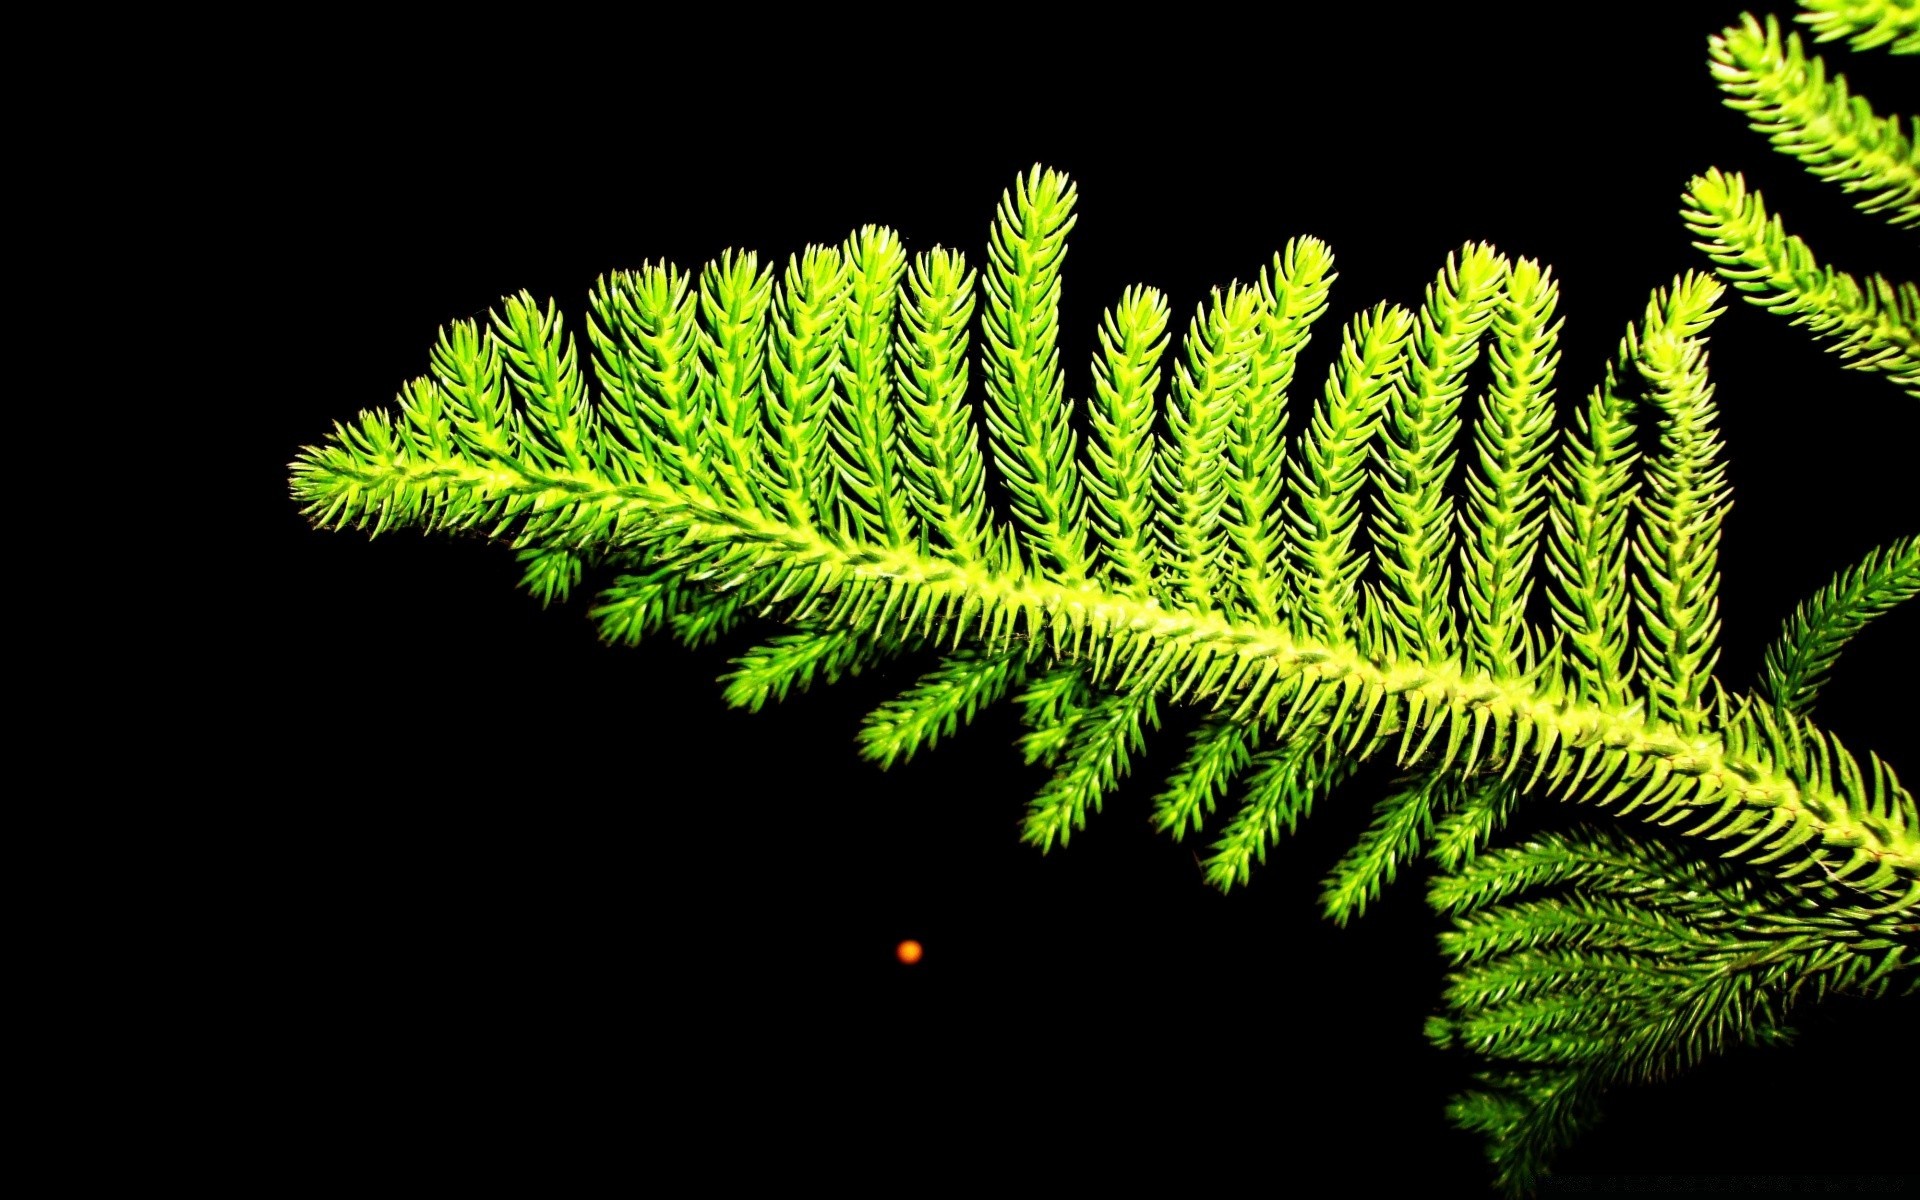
[[1126, 388], [736, 300], [1512, 437], [1413, 518], [1027, 414], [549, 575], [873, 505], [803, 366], [1292, 296], [1191, 472], [1093, 755], [1402, 823], [1664, 755], [1326, 474], [1786, 95], [1593, 489], [945, 698], [803, 450], [1873, 327], [1865, 23], [945, 474], [1636, 962], [1282, 785], [1800, 658], [1218, 751], [1677, 541]]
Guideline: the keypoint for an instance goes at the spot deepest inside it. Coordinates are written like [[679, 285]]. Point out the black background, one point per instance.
[[512, 902]]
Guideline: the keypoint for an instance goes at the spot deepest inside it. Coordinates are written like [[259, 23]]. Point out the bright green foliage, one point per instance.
[[946, 481], [1126, 387], [543, 374], [736, 299], [1786, 95], [1212, 386], [550, 574], [1093, 753], [645, 333], [1632, 959], [1874, 327], [1326, 474], [938, 704], [790, 660], [1219, 750], [1677, 542], [863, 428], [1511, 444], [803, 367], [803, 449], [1866, 23], [1027, 416], [1413, 517], [1282, 784], [636, 606], [1293, 295], [1483, 809], [1634, 962], [1799, 660], [1052, 705], [1402, 823], [1593, 488]]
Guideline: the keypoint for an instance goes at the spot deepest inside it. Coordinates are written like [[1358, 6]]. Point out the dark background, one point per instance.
[[505, 900]]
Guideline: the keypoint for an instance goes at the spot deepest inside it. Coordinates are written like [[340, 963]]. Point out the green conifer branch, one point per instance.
[[1094, 753], [945, 476], [1219, 749], [1413, 517], [645, 332], [791, 660], [1676, 543], [1126, 388], [1801, 657], [1739, 769], [1329, 469], [1403, 822], [736, 302], [1283, 784], [1786, 95], [864, 439], [803, 366], [1027, 414], [1212, 385], [1512, 439], [1638, 962], [1873, 327], [1593, 488], [1866, 23], [636, 606], [805, 451], [1293, 295], [942, 700], [550, 575]]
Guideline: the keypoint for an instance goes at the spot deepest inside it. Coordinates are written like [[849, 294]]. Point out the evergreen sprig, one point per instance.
[[1865, 23], [1591, 959], [544, 471], [1788, 95], [799, 444], [1873, 326], [1800, 659]]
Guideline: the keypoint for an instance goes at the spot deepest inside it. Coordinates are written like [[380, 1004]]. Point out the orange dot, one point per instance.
[[909, 951]]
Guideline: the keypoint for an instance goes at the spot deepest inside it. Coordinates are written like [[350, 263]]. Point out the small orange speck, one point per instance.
[[909, 951]]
